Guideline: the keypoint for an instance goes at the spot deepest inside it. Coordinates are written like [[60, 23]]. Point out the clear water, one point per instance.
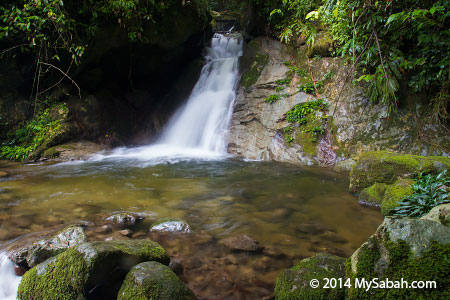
[[293, 212]]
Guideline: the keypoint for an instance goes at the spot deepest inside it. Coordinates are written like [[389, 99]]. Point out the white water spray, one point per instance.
[[199, 128], [9, 282]]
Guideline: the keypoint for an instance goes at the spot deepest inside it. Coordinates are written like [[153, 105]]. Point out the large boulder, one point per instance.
[[31, 251], [88, 271], [387, 167], [403, 249], [153, 281], [295, 283], [440, 213], [395, 193]]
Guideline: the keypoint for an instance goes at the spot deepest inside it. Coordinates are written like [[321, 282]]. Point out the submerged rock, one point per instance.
[[294, 283], [125, 219], [403, 249], [29, 253], [88, 271], [241, 243], [170, 225], [153, 281], [387, 167]]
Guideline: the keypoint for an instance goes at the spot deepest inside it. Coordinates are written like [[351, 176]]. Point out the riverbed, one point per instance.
[[293, 212]]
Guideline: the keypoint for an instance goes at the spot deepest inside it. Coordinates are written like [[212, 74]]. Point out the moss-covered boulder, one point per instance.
[[395, 193], [323, 44], [440, 213], [374, 195], [402, 248], [88, 271], [31, 251], [153, 281], [387, 167], [294, 283]]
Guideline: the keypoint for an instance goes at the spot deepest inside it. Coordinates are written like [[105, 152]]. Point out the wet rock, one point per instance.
[[344, 165], [95, 269], [19, 270], [171, 226], [176, 266], [403, 248], [126, 232], [241, 243], [30, 252], [124, 219], [153, 281], [294, 283]]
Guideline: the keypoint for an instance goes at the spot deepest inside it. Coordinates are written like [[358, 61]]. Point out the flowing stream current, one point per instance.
[[293, 212]]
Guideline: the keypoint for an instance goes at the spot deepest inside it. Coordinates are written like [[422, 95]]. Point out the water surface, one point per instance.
[[293, 212]]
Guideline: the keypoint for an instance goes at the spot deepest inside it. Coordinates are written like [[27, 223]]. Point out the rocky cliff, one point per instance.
[[276, 115]]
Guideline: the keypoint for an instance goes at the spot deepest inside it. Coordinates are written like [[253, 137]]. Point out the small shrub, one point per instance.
[[429, 191]]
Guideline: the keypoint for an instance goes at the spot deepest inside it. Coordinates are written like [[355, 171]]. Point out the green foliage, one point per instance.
[[299, 113], [388, 41], [272, 98], [288, 134], [429, 191], [25, 140]]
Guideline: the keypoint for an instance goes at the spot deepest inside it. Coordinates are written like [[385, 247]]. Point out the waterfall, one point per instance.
[[9, 282], [198, 129]]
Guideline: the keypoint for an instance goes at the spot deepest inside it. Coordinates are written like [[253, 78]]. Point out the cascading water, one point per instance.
[[9, 282], [198, 129]]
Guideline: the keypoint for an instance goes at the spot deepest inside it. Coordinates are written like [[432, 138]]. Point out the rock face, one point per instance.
[[171, 226], [28, 253], [88, 271], [408, 249], [387, 167], [294, 283], [440, 213], [153, 281], [351, 124]]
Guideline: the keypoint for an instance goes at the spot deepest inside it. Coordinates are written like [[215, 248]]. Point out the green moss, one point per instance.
[[395, 193], [373, 195], [73, 273], [51, 153], [387, 167], [63, 278], [306, 137], [293, 283], [432, 265], [258, 61], [153, 281]]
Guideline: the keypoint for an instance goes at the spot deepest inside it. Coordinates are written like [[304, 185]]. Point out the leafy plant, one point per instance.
[[25, 140], [429, 191], [288, 134], [272, 98], [299, 113]]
